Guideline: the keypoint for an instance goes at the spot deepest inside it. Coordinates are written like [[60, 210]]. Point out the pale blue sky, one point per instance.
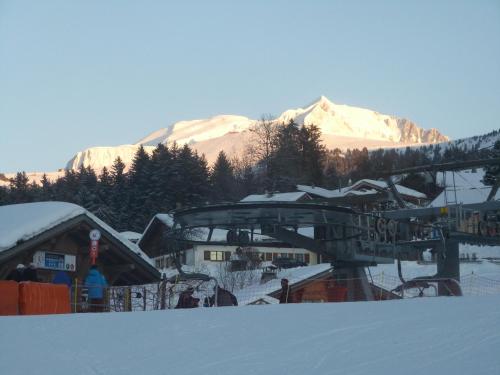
[[80, 74]]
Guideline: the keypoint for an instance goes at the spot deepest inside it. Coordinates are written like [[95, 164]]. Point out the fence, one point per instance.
[[164, 295]]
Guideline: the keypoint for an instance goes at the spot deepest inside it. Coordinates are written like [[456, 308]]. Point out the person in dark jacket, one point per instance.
[[186, 299], [224, 298], [17, 274], [286, 292], [31, 274], [96, 284]]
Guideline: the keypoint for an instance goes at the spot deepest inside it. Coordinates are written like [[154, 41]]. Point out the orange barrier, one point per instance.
[[9, 296], [40, 298]]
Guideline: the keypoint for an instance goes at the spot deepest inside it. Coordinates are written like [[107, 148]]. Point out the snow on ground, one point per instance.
[[463, 186], [445, 336], [413, 269]]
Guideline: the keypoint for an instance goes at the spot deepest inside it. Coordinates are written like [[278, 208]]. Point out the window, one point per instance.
[[275, 256], [269, 256], [300, 257], [307, 258], [206, 255], [218, 256]]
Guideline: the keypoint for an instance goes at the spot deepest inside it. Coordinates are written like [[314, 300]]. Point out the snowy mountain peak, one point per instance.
[[347, 121], [323, 102], [342, 126]]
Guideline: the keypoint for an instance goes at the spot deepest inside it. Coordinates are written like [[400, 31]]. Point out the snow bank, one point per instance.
[[445, 336]]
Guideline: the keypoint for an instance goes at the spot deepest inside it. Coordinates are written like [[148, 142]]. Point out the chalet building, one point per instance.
[[315, 284], [366, 195], [214, 251], [55, 237]]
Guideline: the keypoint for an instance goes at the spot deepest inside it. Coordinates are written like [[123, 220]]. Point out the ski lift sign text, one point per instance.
[[94, 235]]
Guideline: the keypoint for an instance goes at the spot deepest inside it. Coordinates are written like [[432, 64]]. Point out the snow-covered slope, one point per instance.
[[189, 132], [445, 336], [99, 157]]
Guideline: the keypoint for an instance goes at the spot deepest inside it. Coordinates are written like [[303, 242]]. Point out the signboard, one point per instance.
[[54, 261], [94, 235], [94, 251]]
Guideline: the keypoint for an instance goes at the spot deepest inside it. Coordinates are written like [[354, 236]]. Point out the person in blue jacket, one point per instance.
[[96, 284]]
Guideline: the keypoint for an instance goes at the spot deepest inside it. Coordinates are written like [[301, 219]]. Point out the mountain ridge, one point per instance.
[[342, 126]]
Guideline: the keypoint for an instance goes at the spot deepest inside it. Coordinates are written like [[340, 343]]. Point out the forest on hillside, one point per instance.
[[277, 159]]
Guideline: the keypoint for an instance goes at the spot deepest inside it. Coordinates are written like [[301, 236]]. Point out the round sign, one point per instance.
[[95, 234]]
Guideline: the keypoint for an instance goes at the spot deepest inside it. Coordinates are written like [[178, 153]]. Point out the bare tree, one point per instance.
[[235, 280], [261, 148]]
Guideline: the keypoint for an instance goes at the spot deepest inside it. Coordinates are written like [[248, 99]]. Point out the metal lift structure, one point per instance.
[[352, 240]]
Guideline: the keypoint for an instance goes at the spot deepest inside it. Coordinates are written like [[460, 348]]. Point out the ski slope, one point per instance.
[[445, 336]]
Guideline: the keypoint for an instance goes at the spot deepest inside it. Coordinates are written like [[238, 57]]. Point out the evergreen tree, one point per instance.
[[286, 158], [139, 179], [162, 193], [104, 193], [20, 189], [119, 201], [222, 180], [312, 155]]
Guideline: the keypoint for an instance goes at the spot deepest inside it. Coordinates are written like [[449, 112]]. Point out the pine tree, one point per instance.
[[312, 155], [222, 180], [162, 193], [19, 188], [139, 190], [120, 200]]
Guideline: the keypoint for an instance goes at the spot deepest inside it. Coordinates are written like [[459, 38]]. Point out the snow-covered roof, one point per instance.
[[254, 292], [166, 219], [383, 185], [358, 190], [22, 222], [276, 197], [131, 236], [321, 192]]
